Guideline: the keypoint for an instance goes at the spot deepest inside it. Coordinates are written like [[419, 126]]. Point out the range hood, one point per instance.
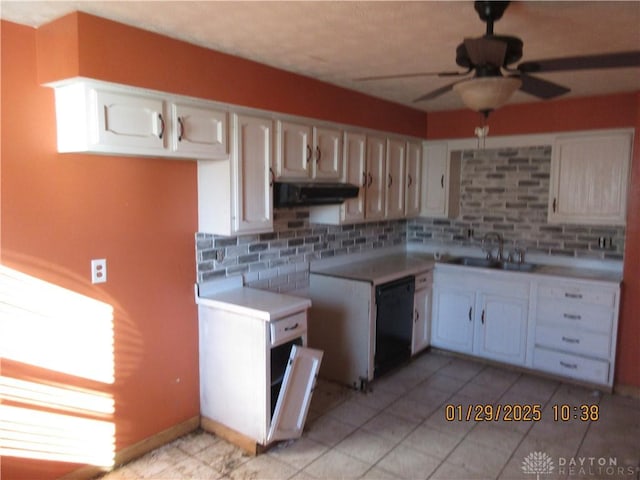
[[298, 194]]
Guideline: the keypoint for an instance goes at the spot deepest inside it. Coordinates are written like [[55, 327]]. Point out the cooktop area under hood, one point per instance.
[[299, 194]]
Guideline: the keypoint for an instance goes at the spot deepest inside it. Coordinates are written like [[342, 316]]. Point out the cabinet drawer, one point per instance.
[[572, 315], [581, 368], [424, 280], [576, 341], [577, 294], [288, 328]]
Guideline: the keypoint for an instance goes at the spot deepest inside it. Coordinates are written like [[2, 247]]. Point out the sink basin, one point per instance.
[[486, 263], [475, 262], [518, 267]]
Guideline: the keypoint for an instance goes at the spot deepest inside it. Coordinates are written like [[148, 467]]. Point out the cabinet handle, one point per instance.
[[161, 133], [181, 130], [570, 340], [410, 181], [572, 317], [292, 327], [390, 181], [364, 179], [370, 180], [442, 181], [309, 153], [482, 317], [417, 315], [572, 295], [318, 155], [573, 366], [470, 313], [273, 177], [555, 204]]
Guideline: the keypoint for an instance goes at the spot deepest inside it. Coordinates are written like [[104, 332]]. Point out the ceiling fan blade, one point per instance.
[[435, 93], [485, 51], [585, 62], [412, 75], [541, 88]]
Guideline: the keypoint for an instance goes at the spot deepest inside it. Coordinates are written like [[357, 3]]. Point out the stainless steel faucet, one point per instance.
[[500, 245]]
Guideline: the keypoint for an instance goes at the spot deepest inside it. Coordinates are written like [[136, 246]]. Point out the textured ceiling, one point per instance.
[[340, 41]]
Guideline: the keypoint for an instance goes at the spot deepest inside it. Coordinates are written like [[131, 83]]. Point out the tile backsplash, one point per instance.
[[507, 191], [501, 190], [279, 261]]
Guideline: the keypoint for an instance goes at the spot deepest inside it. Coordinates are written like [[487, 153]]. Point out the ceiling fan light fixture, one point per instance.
[[487, 93]]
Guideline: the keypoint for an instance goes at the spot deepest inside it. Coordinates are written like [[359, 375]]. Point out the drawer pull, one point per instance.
[[570, 340], [572, 366], [572, 295], [470, 313], [292, 327], [572, 316]]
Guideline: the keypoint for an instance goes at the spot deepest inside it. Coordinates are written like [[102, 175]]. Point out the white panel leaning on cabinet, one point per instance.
[[590, 178], [235, 195], [99, 117], [440, 197]]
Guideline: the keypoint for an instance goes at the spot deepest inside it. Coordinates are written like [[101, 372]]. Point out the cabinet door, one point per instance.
[[355, 167], [501, 329], [589, 179], [422, 320], [440, 196], [198, 131], [295, 394], [453, 315], [376, 184], [294, 151], [395, 178], [412, 184], [327, 161], [253, 204], [131, 120]]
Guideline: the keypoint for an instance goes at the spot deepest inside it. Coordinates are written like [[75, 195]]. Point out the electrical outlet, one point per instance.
[[99, 270], [219, 255]]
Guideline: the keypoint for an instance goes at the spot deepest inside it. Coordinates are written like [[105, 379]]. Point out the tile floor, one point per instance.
[[398, 430]]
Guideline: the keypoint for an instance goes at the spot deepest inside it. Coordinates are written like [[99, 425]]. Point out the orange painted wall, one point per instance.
[[137, 57], [610, 111], [60, 210]]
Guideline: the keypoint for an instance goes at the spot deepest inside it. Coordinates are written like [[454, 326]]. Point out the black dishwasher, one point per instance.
[[394, 324]]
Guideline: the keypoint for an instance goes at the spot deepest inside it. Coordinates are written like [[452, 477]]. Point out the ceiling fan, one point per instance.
[[488, 56]]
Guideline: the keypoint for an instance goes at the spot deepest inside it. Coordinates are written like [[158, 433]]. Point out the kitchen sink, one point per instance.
[[475, 262], [491, 263], [518, 267]]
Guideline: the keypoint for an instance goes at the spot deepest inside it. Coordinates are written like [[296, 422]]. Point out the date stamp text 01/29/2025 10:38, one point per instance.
[[519, 413]]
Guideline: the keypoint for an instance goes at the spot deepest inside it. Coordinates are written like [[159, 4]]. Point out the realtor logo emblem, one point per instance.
[[537, 463]]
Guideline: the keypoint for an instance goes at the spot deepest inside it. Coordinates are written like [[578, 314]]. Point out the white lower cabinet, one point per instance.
[[481, 316], [256, 376], [560, 325], [421, 336], [575, 329]]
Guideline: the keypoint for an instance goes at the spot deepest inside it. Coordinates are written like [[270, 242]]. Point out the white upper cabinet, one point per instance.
[[355, 168], [376, 178], [96, 117], [440, 196], [395, 178], [199, 132], [412, 184], [589, 178], [235, 196], [306, 152]]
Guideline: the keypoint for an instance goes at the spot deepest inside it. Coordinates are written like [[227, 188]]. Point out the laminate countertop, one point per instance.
[[261, 304], [380, 269]]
